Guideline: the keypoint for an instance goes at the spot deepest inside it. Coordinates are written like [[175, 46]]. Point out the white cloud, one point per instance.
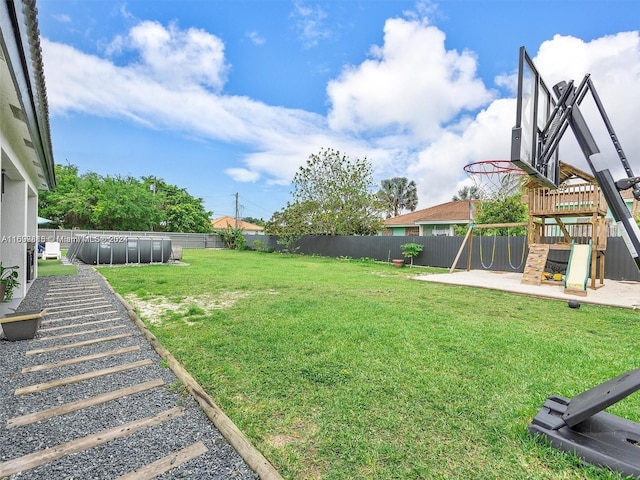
[[412, 85], [174, 56], [256, 38], [439, 169], [414, 93], [62, 18], [126, 13], [242, 174], [143, 91], [309, 22], [413, 108], [423, 10], [613, 63]]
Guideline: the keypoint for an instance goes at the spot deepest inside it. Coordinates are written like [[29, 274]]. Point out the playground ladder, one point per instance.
[[536, 261]]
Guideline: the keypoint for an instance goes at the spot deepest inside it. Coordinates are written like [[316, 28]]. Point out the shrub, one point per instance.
[[410, 250]]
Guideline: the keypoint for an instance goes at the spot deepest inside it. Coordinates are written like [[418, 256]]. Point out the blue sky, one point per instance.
[[220, 96]]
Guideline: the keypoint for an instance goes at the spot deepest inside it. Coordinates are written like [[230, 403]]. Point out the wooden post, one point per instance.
[[469, 252], [455, 262]]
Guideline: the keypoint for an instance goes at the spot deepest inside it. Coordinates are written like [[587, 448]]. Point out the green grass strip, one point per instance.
[[53, 267]]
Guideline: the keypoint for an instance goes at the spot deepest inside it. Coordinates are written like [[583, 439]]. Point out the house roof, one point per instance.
[[223, 222], [25, 106], [453, 212]]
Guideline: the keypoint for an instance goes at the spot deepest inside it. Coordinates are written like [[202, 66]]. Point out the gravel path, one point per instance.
[[83, 308]]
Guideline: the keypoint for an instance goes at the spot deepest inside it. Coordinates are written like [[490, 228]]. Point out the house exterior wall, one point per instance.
[[437, 230], [616, 229], [394, 231], [422, 230], [18, 218], [26, 158]]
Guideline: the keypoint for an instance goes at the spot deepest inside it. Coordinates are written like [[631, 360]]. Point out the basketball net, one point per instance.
[[495, 179]]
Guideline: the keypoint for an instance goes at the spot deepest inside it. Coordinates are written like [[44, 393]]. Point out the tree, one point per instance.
[[509, 209], [255, 221], [397, 194], [411, 250], [289, 224], [69, 204], [123, 203], [233, 237], [91, 201], [467, 193], [331, 196], [179, 211]]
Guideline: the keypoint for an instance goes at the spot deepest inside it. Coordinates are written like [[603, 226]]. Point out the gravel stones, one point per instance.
[[81, 308]]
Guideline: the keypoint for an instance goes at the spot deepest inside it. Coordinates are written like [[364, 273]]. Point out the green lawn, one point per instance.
[[347, 369], [52, 267]]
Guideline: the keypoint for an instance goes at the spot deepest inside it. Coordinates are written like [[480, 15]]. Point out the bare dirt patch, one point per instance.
[[153, 308]]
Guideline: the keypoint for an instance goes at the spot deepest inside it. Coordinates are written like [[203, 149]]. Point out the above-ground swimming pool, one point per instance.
[[114, 250]]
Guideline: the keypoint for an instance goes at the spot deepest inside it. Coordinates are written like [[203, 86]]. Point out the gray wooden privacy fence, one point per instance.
[[497, 253]]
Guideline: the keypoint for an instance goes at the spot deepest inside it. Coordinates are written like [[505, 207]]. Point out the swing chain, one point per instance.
[[493, 252], [524, 243], [493, 249]]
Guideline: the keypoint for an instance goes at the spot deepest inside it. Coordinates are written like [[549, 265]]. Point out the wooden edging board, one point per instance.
[[238, 440]]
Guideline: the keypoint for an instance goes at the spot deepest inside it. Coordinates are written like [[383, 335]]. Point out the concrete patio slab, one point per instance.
[[624, 294]]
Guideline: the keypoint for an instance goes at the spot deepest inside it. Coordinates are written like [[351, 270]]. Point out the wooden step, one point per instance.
[[77, 344], [82, 377], [41, 457], [76, 360], [81, 404], [166, 463]]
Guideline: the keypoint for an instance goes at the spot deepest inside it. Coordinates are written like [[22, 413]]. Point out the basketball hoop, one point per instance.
[[495, 179]]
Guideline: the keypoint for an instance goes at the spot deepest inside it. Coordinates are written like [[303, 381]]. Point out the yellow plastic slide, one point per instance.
[[575, 280]]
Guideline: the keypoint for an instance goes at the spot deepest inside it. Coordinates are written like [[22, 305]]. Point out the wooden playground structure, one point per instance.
[[575, 215], [560, 219]]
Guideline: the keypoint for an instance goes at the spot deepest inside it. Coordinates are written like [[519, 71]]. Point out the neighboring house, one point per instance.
[[26, 157], [223, 223], [439, 220]]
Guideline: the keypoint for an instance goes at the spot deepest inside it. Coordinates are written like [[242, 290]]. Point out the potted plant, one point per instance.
[[398, 262], [410, 250], [8, 281]]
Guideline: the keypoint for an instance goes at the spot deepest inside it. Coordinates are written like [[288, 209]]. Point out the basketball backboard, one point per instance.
[[532, 135]]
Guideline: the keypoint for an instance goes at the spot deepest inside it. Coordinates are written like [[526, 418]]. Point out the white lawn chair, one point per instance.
[[52, 250]]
